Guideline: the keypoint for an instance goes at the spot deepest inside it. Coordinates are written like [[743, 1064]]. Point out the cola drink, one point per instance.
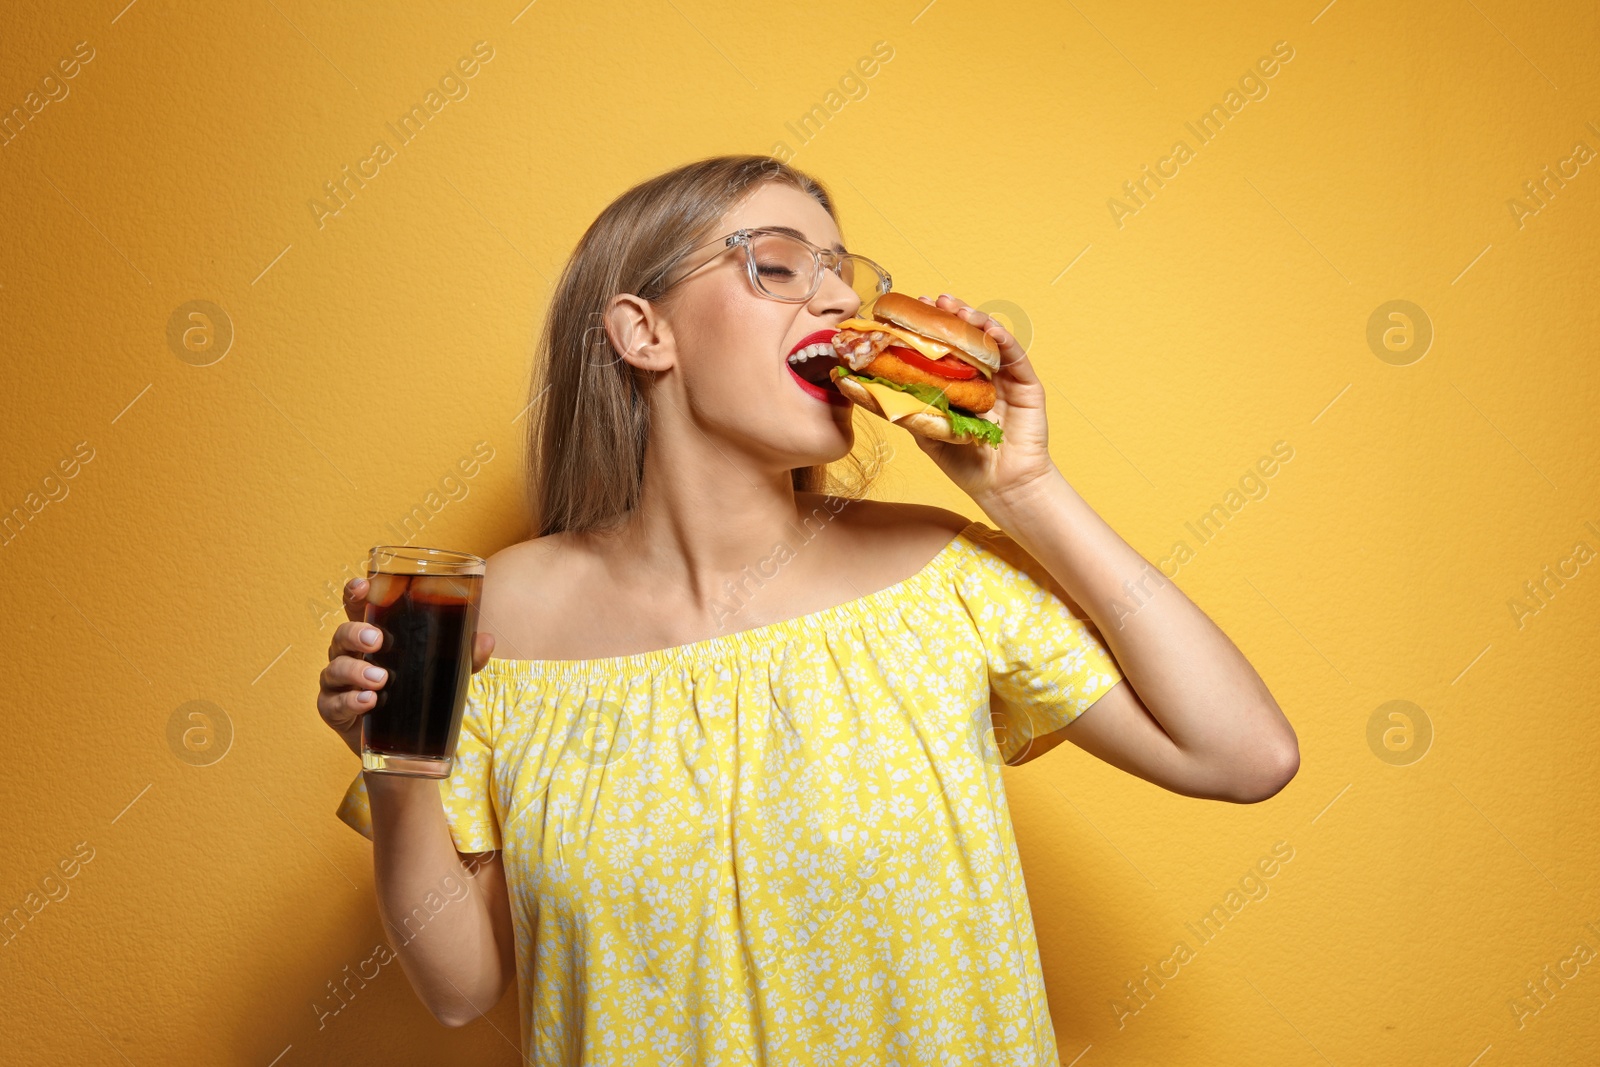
[[425, 603]]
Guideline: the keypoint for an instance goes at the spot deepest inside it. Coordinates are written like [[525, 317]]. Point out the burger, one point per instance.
[[921, 367]]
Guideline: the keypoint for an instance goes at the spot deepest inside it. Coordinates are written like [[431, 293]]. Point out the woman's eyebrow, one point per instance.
[[792, 232]]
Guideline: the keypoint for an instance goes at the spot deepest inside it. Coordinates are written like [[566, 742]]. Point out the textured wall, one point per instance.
[[184, 492]]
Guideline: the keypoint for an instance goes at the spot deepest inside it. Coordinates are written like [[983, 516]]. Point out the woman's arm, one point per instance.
[[1192, 716], [1196, 718], [449, 924]]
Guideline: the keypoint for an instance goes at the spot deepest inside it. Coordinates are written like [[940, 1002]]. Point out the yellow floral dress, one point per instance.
[[783, 845]]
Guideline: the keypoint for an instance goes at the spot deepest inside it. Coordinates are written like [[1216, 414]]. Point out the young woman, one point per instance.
[[729, 793]]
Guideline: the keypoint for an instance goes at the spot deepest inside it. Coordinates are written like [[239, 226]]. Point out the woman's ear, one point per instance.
[[638, 332]]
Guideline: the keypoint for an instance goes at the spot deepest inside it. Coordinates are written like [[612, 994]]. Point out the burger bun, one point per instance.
[[971, 343]]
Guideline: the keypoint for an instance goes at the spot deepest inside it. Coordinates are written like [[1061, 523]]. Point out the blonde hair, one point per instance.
[[589, 418]]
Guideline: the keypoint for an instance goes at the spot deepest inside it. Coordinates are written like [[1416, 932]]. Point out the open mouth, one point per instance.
[[809, 364]]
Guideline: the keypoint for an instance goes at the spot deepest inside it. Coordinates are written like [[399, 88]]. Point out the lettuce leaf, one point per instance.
[[981, 429]]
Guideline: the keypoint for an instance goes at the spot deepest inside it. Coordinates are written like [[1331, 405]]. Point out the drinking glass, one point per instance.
[[425, 603]]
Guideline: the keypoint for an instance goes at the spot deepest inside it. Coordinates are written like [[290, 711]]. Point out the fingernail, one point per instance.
[[369, 636], [364, 698], [374, 674]]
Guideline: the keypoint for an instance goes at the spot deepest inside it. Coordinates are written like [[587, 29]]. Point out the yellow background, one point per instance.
[[188, 559]]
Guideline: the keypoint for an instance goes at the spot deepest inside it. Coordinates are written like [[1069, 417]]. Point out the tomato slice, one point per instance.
[[944, 367]]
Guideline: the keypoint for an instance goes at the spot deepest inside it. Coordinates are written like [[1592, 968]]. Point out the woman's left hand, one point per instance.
[[988, 474]]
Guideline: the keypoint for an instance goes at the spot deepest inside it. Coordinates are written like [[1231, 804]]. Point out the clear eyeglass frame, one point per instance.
[[865, 277]]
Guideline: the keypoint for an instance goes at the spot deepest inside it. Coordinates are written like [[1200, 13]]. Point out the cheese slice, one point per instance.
[[896, 404]]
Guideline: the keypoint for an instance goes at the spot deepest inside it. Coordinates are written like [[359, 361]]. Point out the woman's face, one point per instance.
[[730, 345]]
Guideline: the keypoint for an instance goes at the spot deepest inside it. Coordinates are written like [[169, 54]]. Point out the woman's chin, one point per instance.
[[815, 438], [828, 446]]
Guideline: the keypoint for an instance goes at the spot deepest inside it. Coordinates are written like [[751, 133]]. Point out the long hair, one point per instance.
[[589, 417]]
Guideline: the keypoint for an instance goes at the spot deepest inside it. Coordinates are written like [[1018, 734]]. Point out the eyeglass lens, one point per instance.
[[786, 269]]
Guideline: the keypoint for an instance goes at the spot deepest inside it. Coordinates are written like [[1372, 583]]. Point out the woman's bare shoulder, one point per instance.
[[526, 589], [887, 514], [907, 534]]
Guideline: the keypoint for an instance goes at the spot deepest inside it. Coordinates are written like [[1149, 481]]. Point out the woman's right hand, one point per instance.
[[347, 691]]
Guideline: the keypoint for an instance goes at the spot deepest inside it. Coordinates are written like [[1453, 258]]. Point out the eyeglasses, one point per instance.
[[784, 267]]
